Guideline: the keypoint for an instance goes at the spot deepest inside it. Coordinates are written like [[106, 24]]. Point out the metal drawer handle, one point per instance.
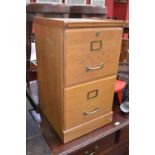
[[88, 68], [92, 153], [91, 112], [87, 153]]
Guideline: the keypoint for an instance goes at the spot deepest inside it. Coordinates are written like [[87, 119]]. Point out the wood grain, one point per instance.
[[63, 51], [67, 23], [76, 101], [78, 53], [49, 47], [87, 127], [96, 147], [103, 137]]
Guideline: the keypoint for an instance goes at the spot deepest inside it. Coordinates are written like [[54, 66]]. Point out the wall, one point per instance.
[[117, 10], [120, 10]]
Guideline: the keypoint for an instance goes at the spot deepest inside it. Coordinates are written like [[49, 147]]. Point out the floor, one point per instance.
[[35, 142]]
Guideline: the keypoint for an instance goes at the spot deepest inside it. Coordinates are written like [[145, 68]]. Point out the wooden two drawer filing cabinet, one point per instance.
[[77, 65]]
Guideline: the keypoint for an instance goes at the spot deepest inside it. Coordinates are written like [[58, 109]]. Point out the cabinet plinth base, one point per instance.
[[87, 127]]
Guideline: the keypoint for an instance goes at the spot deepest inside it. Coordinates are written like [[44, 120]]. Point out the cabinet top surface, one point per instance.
[[79, 22]]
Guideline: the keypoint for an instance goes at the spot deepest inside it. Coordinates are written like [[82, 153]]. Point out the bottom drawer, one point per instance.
[[124, 134], [98, 146], [87, 101], [120, 149]]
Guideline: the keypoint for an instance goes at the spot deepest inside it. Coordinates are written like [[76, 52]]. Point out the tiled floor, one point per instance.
[[35, 142]]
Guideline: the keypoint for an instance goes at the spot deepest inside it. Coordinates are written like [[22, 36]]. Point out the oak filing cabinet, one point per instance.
[[77, 66]]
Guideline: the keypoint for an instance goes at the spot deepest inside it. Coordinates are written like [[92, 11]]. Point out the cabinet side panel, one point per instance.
[[49, 49]]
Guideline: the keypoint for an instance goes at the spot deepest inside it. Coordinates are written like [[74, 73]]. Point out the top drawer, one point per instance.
[[91, 53]]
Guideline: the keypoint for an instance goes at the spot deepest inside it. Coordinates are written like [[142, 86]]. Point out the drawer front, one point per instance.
[[87, 101], [121, 149], [94, 148], [91, 53]]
